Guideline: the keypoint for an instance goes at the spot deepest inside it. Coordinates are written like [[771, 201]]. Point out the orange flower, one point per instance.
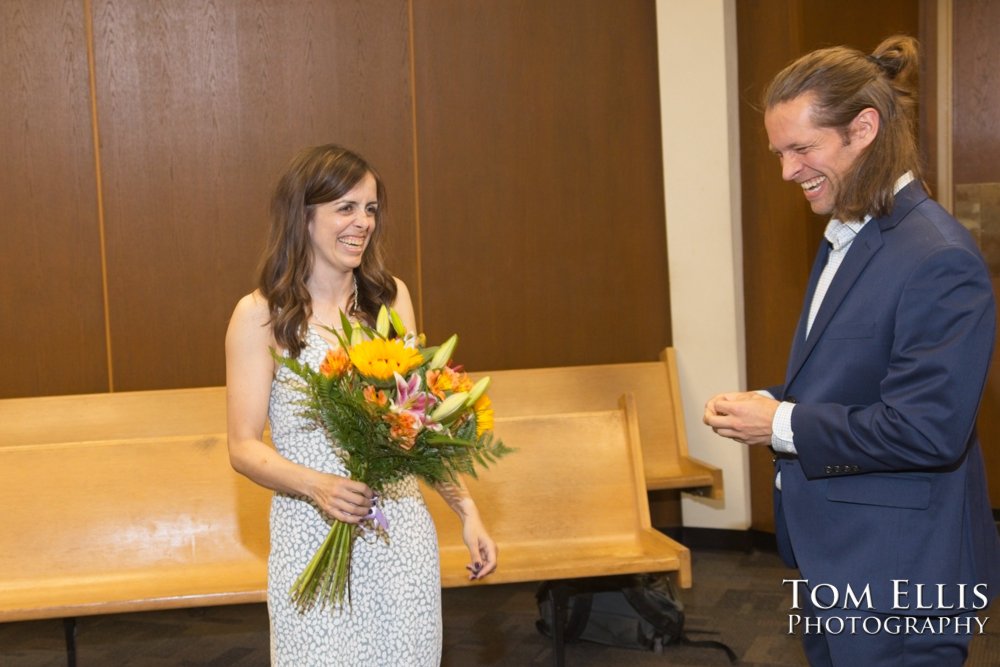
[[447, 379], [484, 415], [335, 364], [403, 429], [436, 384], [376, 396]]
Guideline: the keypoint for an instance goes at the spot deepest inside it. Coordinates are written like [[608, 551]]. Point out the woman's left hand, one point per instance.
[[482, 548]]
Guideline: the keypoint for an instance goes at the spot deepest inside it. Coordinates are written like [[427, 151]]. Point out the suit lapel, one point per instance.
[[799, 340], [865, 245], [863, 249]]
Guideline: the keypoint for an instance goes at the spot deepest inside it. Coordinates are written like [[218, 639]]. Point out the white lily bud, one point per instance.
[[382, 322], [444, 353], [397, 323], [477, 390], [449, 406]]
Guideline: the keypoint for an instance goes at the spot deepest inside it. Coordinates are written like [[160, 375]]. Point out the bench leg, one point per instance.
[[69, 629], [559, 597]]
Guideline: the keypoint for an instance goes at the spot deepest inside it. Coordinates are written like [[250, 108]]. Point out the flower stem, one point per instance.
[[326, 577]]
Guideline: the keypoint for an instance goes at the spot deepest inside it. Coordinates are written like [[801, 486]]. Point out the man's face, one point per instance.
[[817, 158]]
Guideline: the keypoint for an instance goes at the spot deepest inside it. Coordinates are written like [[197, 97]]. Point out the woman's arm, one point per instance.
[[249, 372], [482, 548]]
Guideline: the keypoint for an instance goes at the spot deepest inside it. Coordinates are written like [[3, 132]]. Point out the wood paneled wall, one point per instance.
[[51, 303], [976, 52], [541, 180], [200, 105], [976, 157], [780, 233], [139, 142]]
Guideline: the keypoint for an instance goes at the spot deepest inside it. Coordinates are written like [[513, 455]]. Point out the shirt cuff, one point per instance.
[[782, 438]]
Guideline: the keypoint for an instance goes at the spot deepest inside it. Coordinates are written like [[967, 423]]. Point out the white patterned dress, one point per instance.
[[394, 618]]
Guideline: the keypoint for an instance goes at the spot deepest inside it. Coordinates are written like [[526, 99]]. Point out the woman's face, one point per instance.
[[340, 230]]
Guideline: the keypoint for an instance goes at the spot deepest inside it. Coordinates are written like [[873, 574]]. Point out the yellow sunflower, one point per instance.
[[379, 358], [484, 415]]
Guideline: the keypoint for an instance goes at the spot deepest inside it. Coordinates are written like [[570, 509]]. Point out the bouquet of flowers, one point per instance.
[[394, 407]]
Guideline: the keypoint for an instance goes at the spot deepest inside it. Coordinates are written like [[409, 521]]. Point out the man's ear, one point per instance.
[[865, 126]]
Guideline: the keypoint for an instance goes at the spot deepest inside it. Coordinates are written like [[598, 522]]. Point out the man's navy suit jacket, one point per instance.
[[888, 483]]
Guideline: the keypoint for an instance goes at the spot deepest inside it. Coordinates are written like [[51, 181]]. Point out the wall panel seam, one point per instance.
[[945, 104], [416, 173], [96, 138]]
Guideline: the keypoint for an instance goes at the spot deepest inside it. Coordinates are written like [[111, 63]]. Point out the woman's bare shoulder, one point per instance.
[[401, 287], [251, 314]]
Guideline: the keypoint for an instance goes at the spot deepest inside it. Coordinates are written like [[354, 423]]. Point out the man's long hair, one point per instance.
[[844, 82], [316, 176]]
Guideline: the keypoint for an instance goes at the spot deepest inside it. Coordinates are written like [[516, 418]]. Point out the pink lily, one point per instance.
[[410, 399]]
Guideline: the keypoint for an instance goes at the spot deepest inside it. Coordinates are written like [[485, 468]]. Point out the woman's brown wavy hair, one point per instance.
[[844, 82], [316, 176]]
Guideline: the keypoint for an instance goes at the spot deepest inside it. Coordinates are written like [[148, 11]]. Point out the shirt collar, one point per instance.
[[840, 234], [903, 181]]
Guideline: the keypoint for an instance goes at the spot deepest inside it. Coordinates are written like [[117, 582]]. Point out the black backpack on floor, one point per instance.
[[640, 611]]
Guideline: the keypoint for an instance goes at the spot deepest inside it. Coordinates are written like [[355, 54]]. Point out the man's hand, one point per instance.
[[743, 416]]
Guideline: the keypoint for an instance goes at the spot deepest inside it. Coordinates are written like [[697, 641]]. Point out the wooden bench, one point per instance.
[[126, 502], [570, 503]]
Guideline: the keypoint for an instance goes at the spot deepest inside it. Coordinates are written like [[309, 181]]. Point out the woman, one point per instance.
[[323, 256]]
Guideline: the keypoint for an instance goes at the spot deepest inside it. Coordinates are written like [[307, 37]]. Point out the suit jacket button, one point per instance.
[[829, 470]]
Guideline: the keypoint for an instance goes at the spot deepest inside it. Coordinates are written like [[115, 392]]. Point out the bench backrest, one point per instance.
[[520, 392], [654, 384], [574, 477], [112, 416]]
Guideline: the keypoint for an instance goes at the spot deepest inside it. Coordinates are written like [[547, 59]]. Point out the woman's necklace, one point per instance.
[[353, 308]]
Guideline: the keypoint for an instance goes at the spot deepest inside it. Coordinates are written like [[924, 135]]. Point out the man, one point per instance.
[[880, 492]]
